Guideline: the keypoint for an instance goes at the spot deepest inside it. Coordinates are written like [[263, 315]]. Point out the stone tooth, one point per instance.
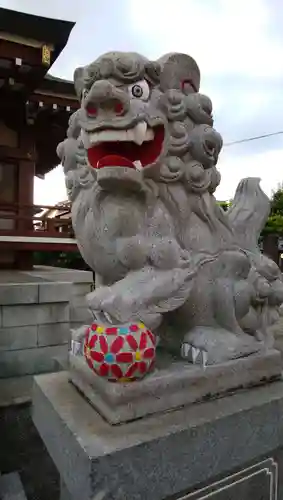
[[108, 136], [138, 165], [93, 138], [112, 135], [149, 136], [140, 132], [130, 135]]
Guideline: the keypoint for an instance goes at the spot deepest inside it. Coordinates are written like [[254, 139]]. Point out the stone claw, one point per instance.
[[194, 355]]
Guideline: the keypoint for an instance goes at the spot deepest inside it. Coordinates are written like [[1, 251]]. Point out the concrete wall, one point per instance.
[[34, 327], [79, 313], [82, 283]]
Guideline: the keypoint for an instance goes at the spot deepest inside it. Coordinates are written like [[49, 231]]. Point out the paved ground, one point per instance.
[[22, 450]]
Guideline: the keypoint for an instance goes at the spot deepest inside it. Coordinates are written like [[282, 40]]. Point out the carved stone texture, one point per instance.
[[140, 164], [173, 384]]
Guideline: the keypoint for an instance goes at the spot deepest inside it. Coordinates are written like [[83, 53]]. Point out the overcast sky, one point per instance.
[[238, 45]]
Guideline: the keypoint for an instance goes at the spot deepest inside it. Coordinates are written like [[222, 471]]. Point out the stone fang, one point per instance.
[[139, 134], [138, 165]]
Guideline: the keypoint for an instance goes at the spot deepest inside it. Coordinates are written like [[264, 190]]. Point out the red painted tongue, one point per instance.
[[114, 161]]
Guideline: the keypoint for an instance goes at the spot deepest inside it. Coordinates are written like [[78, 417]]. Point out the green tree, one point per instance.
[[224, 204], [71, 260], [274, 224]]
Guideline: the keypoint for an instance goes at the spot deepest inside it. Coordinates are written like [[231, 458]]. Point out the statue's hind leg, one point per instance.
[[214, 309]]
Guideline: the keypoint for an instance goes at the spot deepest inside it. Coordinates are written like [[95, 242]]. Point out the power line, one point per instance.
[[253, 138]]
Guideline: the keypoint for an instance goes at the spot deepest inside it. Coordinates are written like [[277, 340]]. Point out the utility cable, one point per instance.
[[252, 138]]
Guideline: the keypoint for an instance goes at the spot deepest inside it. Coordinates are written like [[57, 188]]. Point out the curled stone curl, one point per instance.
[[199, 108], [127, 69], [172, 170], [153, 71], [179, 139], [200, 180], [205, 145], [173, 103]]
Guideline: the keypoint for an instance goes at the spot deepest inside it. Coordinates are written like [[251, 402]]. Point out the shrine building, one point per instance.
[[34, 112]]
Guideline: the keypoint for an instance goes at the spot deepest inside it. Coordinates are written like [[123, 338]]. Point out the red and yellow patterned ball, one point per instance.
[[120, 354]]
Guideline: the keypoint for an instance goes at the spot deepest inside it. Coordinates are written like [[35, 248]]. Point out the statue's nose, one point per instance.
[[106, 100]]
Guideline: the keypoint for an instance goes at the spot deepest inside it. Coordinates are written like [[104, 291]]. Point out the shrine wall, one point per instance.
[[34, 327]]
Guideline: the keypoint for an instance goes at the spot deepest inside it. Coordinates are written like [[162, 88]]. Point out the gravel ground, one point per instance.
[[22, 450]]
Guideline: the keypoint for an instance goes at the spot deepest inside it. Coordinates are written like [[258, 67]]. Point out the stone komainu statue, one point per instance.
[[140, 165]]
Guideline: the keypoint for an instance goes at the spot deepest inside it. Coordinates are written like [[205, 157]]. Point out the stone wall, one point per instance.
[[79, 313], [34, 327], [82, 284]]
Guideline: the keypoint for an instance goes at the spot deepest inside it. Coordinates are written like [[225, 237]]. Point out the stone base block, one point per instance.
[[31, 361], [11, 487], [15, 390], [229, 448], [172, 385]]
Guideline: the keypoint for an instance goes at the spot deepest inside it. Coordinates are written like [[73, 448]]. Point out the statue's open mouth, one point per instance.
[[134, 148]]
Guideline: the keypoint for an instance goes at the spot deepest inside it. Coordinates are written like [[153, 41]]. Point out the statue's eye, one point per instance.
[[139, 90]]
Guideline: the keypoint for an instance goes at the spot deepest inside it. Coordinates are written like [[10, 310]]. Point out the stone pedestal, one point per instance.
[[173, 384], [11, 487], [227, 449]]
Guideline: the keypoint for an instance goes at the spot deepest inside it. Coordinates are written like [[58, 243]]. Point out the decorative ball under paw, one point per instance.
[[120, 354]]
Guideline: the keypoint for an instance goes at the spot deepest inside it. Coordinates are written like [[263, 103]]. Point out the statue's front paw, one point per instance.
[[207, 345], [118, 307], [194, 355]]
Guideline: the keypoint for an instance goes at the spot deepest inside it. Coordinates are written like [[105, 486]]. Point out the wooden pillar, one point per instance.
[[24, 259], [8, 188]]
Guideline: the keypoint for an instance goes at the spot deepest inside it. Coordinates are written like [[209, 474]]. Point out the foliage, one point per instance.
[[224, 204], [274, 224], [71, 260], [277, 201]]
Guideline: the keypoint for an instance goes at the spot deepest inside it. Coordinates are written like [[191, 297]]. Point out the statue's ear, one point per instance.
[[179, 71], [79, 81]]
